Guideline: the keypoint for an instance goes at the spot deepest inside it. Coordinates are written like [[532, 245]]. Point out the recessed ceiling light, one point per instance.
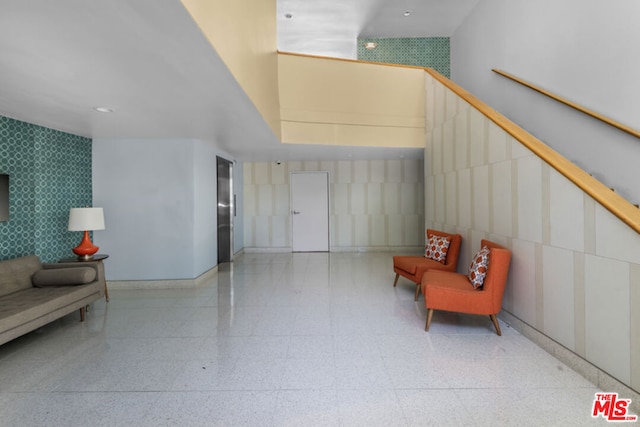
[[288, 15], [103, 109], [407, 12], [370, 45]]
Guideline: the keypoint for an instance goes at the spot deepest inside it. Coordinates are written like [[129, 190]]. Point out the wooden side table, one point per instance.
[[96, 258]]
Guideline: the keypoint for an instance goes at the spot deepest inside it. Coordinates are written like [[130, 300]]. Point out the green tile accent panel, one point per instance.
[[431, 52], [49, 173]]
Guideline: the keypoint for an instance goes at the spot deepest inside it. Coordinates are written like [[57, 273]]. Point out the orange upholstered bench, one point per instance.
[[413, 267]]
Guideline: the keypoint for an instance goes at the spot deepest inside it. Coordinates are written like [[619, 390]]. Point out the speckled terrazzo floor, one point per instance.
[[284, 340]]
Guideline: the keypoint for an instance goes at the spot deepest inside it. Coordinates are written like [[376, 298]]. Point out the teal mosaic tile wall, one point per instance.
[[431, 52], [49, 173]]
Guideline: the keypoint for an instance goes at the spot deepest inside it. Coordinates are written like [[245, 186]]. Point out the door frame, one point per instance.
[[220, 205], [328, 176]]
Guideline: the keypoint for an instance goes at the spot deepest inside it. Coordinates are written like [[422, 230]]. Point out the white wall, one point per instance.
[[160, 202], [583, 50], [205, 230]]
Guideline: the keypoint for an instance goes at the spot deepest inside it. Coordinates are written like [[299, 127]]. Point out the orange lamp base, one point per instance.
[[86, 248]]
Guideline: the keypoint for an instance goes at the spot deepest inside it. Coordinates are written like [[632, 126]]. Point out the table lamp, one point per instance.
[[86, 219]]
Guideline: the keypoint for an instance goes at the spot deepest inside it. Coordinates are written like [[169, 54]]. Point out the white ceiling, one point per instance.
[[147, 60]]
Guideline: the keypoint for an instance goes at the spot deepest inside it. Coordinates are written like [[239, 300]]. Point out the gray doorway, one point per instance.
[[225, 210]]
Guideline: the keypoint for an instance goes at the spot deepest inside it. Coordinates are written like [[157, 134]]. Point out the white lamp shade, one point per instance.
[[82, 219]]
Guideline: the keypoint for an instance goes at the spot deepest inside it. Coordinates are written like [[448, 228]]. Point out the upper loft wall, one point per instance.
[[244, 35], [581, 52], [431, 52], [344, 102]]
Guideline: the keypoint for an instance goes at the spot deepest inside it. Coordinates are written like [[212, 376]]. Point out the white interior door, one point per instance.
[[310, 211]]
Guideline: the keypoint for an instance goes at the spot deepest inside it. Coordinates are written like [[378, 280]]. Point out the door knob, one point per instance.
[[295, 212]]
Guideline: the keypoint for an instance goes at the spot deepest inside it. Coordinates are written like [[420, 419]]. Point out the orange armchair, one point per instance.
[[454, 292], [413, 267]]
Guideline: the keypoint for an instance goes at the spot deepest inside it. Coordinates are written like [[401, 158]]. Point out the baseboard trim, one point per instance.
[[590, 372], [164, 284], [395, 249]]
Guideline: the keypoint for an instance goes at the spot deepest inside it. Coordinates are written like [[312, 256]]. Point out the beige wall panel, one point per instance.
[[394, 171], [262, 232], [451, 198], [360, 171], [280, 231], [556, 284], [344, 230], [378, 230], [391, 197], [396, 232], [448, 145], [530, 199], [502, 181], [558, 295], [566, 213], [477, 138], [348, 103], [265, 199], [378, 136], [614, 239], [261, 173], [349, 118], [465, 211], [409, 198], [430, 199], [634, 321], [413, 231], [308, 133], [358, 199], [279, 174], [377, 168], [374, 199], [462, 140], [522, 280], [518, 150], [361, 228], [246, 40], [282, 200], [344, 172], [439, 108], [341, 204], [497, 143], [440, 199], [451, 105], [481, 202], [607, 315], [412, 171], [250, 200], [436, 151]]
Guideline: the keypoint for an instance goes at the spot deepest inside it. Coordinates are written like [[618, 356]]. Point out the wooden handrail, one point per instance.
[[571, 104], [608, 198]]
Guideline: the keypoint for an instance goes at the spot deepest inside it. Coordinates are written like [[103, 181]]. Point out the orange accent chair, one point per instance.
[[454, 292], [413, 267]]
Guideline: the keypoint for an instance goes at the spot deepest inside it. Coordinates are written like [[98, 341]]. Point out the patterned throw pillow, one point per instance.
[[437, 248], [478, 268]]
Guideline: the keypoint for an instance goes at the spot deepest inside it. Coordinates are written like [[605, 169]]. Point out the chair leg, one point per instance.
[[82, 314], [395, 282], [429, 316], [494, 319], [418, 286]]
